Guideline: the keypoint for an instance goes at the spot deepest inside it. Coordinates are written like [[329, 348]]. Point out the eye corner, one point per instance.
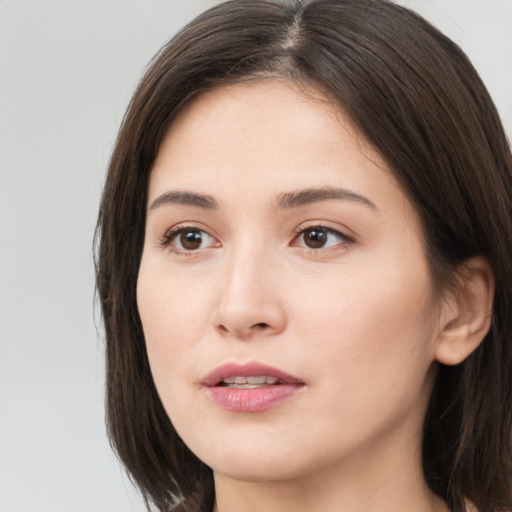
[[322, 238], [187, 240]]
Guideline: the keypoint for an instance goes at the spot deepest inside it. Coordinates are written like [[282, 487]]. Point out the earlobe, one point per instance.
[[467, 313]]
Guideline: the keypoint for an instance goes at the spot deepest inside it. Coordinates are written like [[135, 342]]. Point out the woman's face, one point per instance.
[[280, 250]]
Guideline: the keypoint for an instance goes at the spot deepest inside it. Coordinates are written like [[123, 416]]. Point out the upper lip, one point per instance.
[[251, 369]]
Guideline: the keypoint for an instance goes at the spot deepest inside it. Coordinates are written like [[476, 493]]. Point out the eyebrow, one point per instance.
[[286, 200], [185, 198], [313, 195]]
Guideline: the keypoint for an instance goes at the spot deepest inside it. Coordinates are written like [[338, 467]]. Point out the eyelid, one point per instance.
[[165, 240], [341, 233]]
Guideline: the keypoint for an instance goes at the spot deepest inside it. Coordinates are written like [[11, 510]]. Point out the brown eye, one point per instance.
[[315, 238], [191, 239], [320, 237], [188, 239]]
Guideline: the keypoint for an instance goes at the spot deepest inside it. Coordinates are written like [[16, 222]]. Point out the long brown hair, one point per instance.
[[415, 96]]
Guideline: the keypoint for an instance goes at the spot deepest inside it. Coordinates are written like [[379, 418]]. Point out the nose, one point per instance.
[[250, 303]]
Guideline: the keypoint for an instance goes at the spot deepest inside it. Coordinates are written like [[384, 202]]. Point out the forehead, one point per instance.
[[268, 138]]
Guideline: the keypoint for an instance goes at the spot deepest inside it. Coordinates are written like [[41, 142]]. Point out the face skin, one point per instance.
[[356, 319]]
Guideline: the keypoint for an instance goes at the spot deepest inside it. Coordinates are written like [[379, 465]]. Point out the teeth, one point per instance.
[[256, 380], [250, 382]]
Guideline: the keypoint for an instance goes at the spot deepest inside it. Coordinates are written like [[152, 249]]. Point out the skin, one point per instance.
[[357, 320]]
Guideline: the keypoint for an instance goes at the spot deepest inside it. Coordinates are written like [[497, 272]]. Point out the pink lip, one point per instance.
[[254, 399], [247, 370]]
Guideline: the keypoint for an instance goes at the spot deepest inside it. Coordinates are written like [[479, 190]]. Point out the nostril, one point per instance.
[[261, 325]]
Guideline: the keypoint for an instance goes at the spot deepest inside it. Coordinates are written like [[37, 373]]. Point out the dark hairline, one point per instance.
[[119, 253]]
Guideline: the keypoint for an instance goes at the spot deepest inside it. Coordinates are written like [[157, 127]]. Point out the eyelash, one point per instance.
[[172, 234], [345, 239]]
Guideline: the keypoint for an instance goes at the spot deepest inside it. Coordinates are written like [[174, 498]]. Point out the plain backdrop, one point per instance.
[[67, 71]]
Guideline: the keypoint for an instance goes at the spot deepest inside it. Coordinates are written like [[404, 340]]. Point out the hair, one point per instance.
[[414, 95]]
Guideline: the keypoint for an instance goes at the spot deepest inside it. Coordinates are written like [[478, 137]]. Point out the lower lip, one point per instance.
[[254, 399]]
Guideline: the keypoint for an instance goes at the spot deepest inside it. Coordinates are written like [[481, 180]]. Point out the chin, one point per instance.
[[260, 471], [253, 462]]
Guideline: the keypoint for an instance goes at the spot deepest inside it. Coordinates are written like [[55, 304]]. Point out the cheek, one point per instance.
[[369, 326], [173, 328], [172, 321]]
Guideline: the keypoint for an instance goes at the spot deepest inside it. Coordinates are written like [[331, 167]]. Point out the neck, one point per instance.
[[389, 481], [238, 496]]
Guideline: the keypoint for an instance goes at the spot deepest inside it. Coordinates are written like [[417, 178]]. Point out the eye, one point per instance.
[[320, 237], [188, 239]]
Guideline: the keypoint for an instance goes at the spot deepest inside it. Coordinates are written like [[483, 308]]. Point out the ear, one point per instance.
[[467, 313]]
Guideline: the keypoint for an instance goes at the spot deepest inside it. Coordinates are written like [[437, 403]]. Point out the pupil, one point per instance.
[[191, 240], [315, 238]]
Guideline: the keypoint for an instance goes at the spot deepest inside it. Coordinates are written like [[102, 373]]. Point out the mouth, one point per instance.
[[250, 387], [248, 375], [253, 382]]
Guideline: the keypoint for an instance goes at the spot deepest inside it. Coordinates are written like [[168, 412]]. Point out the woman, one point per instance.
[[304, 267]]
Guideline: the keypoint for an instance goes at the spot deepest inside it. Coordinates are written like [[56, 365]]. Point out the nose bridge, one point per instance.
[[249, 300], [243, 266]]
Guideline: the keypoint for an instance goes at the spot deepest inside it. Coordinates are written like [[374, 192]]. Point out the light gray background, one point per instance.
[[67, 70]]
